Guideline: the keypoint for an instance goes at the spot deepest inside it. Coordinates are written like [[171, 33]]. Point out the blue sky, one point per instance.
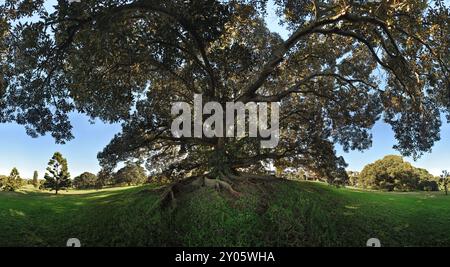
[[28, 154], [19, 150]]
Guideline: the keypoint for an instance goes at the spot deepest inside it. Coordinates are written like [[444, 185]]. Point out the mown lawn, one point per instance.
[[284, 213]]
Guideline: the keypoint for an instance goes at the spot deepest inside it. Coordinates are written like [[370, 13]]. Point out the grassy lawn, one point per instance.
[[285, 213]]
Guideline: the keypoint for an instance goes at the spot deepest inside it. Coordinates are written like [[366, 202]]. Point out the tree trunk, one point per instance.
[[219, 160]]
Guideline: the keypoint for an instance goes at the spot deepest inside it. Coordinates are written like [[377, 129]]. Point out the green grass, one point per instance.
[[285, 213]]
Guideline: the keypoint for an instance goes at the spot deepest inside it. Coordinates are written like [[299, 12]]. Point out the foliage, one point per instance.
[[57, 176], [159, 180], [104, 177], [353, 178], [346, 65], [131, 174], [392, 173], [85, 180], [13, 181], [430, 186], [3, 179], [41, 184]]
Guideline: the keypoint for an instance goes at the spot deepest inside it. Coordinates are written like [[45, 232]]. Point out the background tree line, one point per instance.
[[392, 173], [57, 177], [131, 174]]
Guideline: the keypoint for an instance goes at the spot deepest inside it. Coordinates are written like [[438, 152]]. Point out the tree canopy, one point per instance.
[[345, 65], [13, 181], [393, 173], [85, 180], [131, 174], [3, 179]]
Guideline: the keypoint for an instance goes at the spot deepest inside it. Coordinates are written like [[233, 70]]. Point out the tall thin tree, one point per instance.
[[35, 179], [444, 181]]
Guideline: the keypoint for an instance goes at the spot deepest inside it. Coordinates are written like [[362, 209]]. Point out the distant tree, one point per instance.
[[13, 181], [301, 174], [86, 180], [428, 186], [57, 176], [353, 178], [427, 182], [104, 178], [3, 179], [443, 181], [386, 174], [98, 183], [131, 174], [392, 173], [35, 179]]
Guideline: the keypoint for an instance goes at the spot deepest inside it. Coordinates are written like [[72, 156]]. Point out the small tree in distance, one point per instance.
[[393, 173], [104, 178], [57, 176], [3, 181], [13, 181], [86, 180], [443, 181], [131, 174], [35, 179]]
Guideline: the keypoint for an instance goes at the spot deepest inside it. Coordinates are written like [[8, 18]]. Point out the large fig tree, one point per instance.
[[345, 65]]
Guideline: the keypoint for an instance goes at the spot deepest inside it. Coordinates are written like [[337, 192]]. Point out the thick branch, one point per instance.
[[278, 55], [295, 89]]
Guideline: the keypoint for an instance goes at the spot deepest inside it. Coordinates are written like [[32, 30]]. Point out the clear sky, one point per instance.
[[28, 154]]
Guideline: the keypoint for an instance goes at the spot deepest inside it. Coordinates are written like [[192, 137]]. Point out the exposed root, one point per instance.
[[169, 196], [224, 183], [220, 185], [173, 191]]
